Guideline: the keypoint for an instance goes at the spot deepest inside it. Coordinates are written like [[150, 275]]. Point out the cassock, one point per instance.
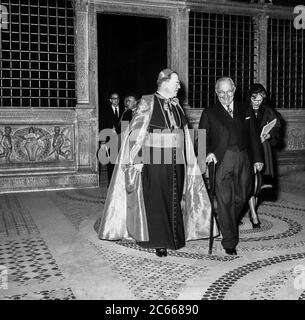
[[157, 196]]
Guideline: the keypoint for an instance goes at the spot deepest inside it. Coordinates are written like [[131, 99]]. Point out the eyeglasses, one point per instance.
[[221, 94], [257, 96], [114, 98]]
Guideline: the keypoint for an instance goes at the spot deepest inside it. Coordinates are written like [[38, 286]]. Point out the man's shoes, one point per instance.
[[256, 225], [231, 252], [161, 252]]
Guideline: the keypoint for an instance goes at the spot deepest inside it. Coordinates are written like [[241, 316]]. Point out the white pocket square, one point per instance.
[[247, 118]]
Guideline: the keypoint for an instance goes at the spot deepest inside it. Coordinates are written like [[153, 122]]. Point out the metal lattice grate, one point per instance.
[[219, 45], [285, 64], [37, 66]]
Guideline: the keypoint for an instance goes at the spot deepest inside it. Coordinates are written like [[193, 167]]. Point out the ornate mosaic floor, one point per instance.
[[49, 250]]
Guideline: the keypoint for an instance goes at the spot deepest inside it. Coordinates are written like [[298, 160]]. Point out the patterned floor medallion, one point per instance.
[[270, 264]]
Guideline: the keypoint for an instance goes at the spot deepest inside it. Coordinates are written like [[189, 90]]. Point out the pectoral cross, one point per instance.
[[168, 108]]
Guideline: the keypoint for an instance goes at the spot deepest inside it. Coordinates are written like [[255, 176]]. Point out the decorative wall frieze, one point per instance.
[[294, 129], [33, 140], [48, 182], [27, 145], [296, 138]]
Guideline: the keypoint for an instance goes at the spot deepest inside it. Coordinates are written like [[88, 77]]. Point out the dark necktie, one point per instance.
[[230, 111], [116, 112]]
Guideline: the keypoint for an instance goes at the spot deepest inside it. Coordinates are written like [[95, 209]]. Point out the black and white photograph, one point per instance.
[[152, 153]]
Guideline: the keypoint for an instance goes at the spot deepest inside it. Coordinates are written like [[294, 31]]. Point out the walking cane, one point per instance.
[[212, 179]]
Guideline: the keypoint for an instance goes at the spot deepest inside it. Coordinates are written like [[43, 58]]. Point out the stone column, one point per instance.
[[260, 49], [178, 47], [82, 51], [86, 101]]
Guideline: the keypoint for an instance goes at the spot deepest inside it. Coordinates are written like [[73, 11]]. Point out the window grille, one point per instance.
[[285, 64], [37, 66], [219, 45]]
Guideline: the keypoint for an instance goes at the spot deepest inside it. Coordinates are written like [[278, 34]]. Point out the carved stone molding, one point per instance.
[[143, 3], [193, 116], [48, 182], [82, 53], [93, 67], [34, 115], [260, 48], [87, 137], [81, 5]]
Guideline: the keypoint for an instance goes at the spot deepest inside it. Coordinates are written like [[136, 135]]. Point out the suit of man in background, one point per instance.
[[130, 108], [233, 143], [110, 119]]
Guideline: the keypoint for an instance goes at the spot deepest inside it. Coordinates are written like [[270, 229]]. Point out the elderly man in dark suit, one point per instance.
[[232, 142]]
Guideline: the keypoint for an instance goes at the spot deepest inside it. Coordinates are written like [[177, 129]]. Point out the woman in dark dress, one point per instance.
[[264, 114]]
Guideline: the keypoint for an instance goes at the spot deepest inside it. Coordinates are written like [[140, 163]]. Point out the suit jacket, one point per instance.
[[127, 115], [216, 119], [109, 120]]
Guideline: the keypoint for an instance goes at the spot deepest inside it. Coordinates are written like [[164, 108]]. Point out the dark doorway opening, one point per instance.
[[131, 52]]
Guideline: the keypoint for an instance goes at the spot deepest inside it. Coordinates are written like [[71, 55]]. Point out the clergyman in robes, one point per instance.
[[157, 196]]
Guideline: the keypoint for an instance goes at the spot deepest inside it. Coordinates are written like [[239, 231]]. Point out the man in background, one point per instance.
[[130, 108], [110, 119]]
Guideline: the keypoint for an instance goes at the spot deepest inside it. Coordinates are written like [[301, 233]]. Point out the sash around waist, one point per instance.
[[164, 140]]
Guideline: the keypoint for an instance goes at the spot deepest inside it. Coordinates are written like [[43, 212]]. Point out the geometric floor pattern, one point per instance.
[[142, 279], [270, 264], [15, 220]]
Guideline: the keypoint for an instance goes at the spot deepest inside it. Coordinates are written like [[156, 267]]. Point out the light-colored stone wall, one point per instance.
[[35, 162]]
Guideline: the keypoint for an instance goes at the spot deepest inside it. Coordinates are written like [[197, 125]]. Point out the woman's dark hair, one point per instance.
[[255, 89], [258, 88]]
